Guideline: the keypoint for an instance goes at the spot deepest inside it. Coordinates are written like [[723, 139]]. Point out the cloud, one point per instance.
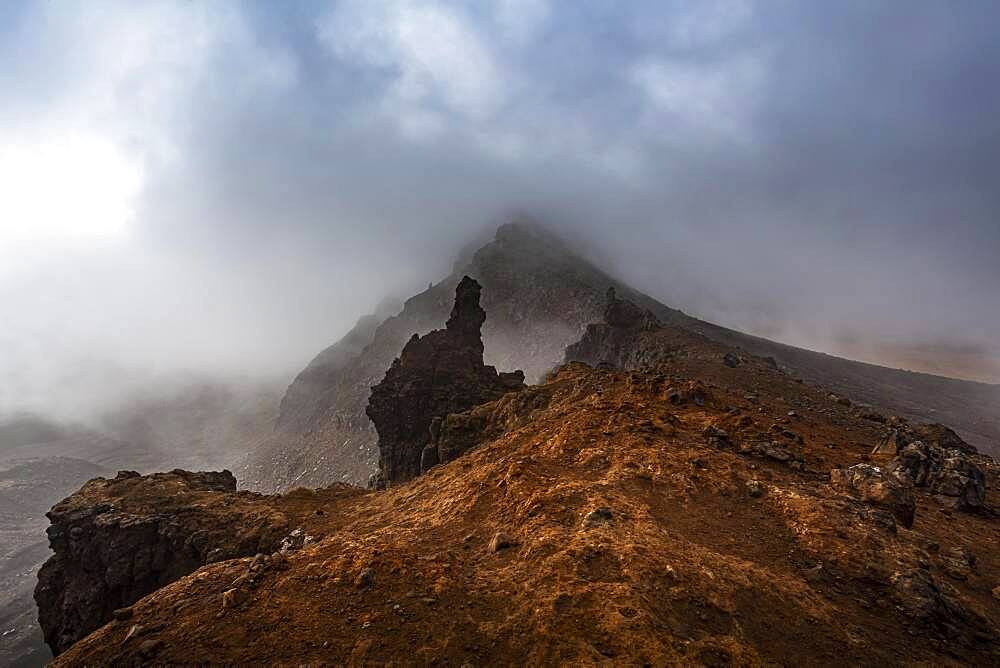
[[433, 55], [811, 171], [715, 98], [521, 21]]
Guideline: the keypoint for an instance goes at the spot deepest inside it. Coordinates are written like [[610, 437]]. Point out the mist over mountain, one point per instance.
[[823, 175]]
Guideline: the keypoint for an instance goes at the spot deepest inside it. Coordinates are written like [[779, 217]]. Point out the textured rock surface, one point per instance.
[[116, 540], [933, 456], [869, 483], [950, 475], [616, 341], [439, 373]]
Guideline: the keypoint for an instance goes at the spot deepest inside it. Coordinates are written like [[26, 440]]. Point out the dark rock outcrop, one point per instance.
[[949, 475], [613, 342], [935, 458], [937, 435], [435, 375], [116, 540], [943, 437], [872, 485]]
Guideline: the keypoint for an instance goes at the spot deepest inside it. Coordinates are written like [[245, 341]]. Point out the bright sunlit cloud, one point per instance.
[[76, 187]]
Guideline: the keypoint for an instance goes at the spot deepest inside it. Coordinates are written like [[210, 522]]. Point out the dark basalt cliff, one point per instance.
[[437, 374], [116, 540]]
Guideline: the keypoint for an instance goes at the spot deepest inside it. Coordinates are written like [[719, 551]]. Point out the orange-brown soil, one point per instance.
[[708, 552]]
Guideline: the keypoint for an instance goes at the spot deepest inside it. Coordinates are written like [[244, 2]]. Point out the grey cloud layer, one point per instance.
[[812, 171]]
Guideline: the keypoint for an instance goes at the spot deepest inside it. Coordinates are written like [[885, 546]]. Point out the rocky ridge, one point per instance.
[[693, 505], [541, 296]]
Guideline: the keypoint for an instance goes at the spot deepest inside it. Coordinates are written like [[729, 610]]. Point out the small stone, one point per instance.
[[149, 648], [122, 614], [814, 575], [215, 555], [132, 632], [232, 598], [731, 360], [598, 516], [365, 579], [755, 488], [775, 452], [717, 437], [958, 563], [501, 541]]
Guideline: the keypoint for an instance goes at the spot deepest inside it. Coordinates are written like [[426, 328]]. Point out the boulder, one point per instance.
[[872, 485], [949, 475], [901, 434]]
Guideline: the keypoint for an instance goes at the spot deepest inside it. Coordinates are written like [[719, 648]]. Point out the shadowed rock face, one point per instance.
[[116, 540], [618, 340], [435, 375]]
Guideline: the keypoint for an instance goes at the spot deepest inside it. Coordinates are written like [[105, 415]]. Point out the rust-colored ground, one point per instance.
[[690, 567]]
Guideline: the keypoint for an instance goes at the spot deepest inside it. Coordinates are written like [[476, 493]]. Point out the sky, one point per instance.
[[223, 188]]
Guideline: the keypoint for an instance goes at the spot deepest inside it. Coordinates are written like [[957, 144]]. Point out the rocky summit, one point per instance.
[[658, 499], [541, 295]]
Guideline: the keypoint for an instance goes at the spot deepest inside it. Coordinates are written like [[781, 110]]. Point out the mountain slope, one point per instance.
[[681, 512], [540, 296]]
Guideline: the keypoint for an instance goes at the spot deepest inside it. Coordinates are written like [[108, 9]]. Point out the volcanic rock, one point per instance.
[[435, 375], [871, 484], [950, 475], [613, 341], [116, 540], [501, 541]]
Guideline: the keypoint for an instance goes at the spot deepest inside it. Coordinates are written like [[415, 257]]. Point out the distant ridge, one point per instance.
[[540, 296]]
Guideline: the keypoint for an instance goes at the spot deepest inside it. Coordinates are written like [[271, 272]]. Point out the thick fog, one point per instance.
[[221, 189]]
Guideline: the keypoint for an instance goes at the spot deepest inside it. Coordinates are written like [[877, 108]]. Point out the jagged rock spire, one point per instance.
[[437, 374], [467, 316]]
